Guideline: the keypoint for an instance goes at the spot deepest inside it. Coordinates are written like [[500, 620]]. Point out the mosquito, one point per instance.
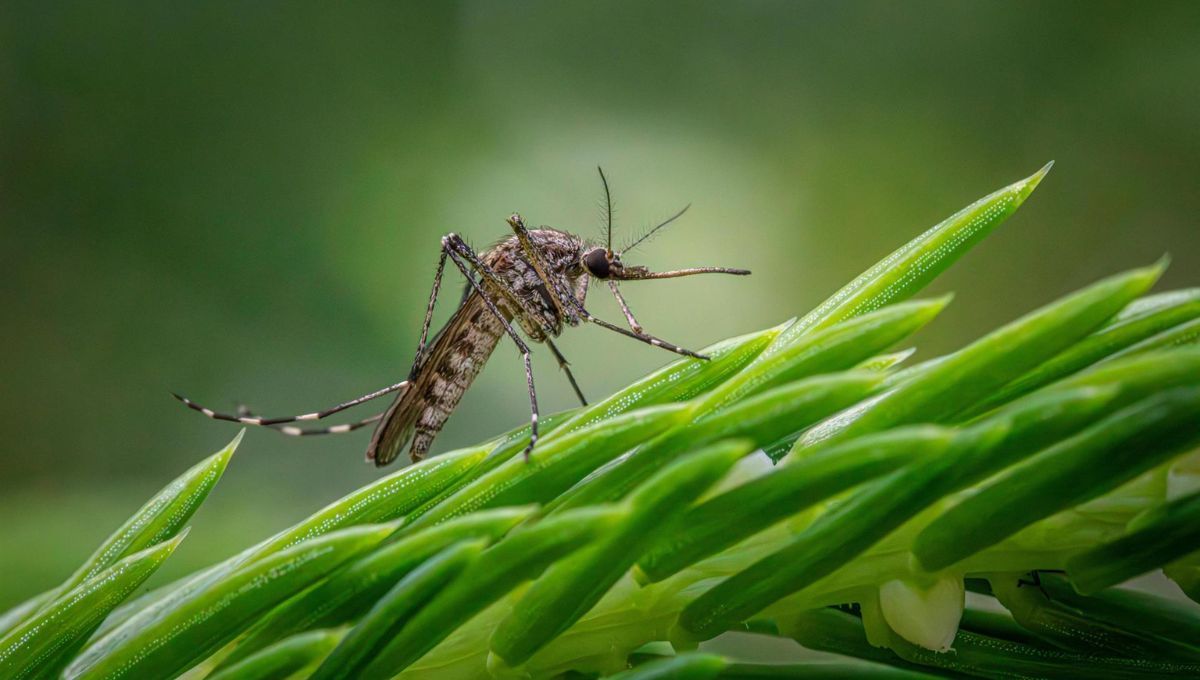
[[537, 278]]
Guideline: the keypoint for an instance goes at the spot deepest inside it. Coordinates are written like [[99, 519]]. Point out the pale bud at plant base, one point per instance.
[[925, 614]]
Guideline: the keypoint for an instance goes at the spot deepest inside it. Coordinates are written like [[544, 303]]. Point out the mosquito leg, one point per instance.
[[566, 366], [293, 431], [448, 243], [459, 248], [633, 323], [553, 285], [642, 337], [433, 294], [317, 415]]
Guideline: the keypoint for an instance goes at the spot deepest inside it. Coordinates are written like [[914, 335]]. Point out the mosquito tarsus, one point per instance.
[[537, 280]]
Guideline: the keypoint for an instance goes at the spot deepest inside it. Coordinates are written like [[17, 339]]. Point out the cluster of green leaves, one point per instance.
[[1039, 467]]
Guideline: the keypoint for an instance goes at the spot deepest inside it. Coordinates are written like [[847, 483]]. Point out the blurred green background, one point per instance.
[[242, 201]]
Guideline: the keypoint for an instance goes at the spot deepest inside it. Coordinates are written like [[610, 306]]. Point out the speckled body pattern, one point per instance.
[[457, 354], [536, 280]]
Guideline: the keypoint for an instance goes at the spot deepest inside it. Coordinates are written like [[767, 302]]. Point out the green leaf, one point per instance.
[[1162, 320], [832, 349], [571, 587], [522, 555], [763, 418], [681, 380], [950, 386], [692, 666], [1095, 461], [350, 591], [283, 659], [884, 504], [974, 655], [1167, 533], [912, 266], [162, 517], [37, 645], [382, 500], [743, 511], [363, 643], [1120, 623], [554, 466], [168, 642], [24, 610]]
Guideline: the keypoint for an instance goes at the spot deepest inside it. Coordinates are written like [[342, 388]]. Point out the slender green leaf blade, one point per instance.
[[948, 387], [728, 518], [689, 666], [554, 466], [1161, 322], [174, 640], [37, 644], [912, 266], [283, 659], [763, 419], [363, 643], [521, 556], [1168, 533], [571, 587], [350, 591], [160, 518], [1088, 464]]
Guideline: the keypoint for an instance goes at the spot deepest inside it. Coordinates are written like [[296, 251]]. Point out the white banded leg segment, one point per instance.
[[293, 431], [246, 418]]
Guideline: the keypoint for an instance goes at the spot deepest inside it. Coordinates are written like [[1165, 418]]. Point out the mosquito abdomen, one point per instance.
[[458, 354]]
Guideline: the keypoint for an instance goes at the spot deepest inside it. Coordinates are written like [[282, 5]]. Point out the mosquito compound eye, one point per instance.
[[596, 262]]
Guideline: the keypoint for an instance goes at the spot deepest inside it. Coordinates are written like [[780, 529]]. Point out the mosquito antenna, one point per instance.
[[660, 225], [607, 210]]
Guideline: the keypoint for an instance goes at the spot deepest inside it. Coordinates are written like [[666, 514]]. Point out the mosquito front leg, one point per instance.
[[633, 323], [553, 284], [459, 248], [642, 337], [451, 245], [316, 415], [566, 367]]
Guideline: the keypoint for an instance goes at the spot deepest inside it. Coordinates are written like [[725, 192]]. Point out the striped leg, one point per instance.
[[292, 431], [458, 250], [566, 366], [317, 415]]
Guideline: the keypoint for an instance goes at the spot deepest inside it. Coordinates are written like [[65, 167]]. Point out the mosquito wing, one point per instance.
[[455, 356]]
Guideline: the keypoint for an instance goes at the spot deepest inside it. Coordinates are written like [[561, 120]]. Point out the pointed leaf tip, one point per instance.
[[1026, 186]]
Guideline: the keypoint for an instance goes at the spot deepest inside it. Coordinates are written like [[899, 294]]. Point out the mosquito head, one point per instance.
[[601, 263], [604, 265]]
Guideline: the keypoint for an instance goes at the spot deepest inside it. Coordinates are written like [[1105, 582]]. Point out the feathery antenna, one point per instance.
[[660, 225], [607, 211]]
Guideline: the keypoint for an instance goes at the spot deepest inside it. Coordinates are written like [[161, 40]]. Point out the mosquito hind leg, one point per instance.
[[267, 422], [452, 244], [293, 431]]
